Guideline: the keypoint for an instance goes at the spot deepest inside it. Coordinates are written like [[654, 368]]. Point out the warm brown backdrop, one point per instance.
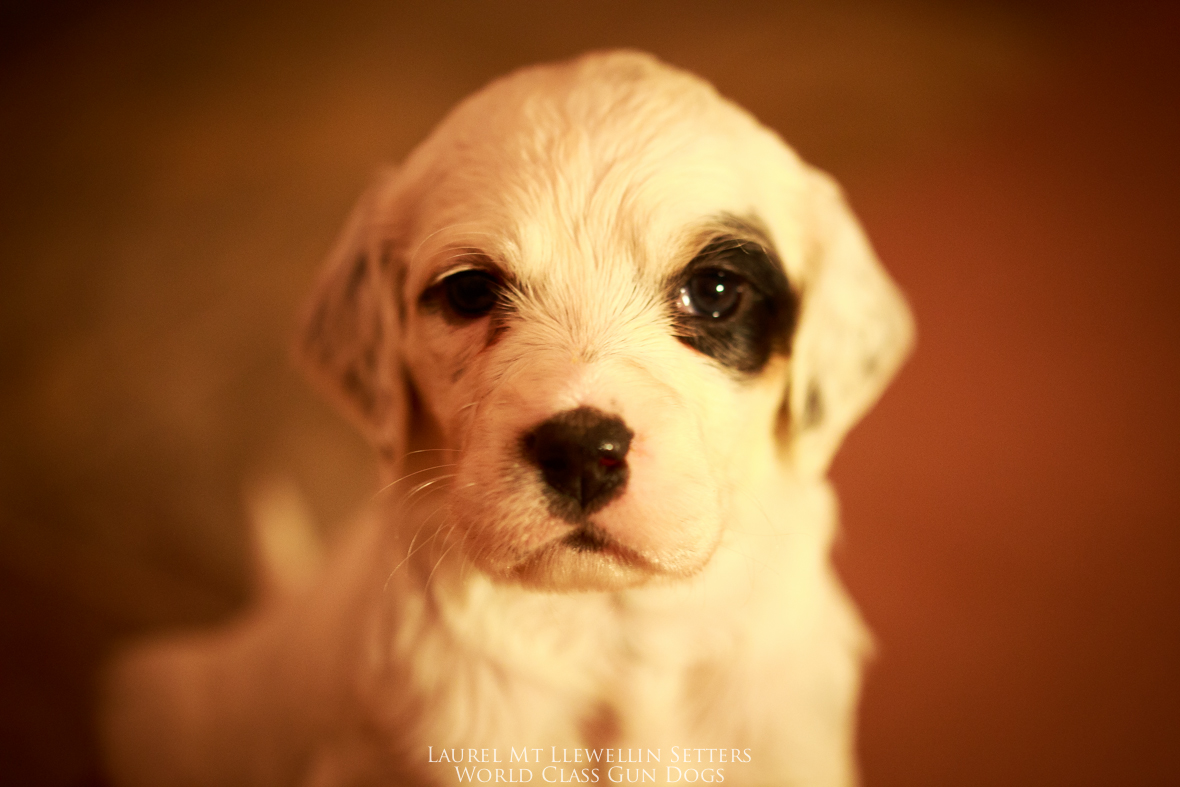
[[169, 180]]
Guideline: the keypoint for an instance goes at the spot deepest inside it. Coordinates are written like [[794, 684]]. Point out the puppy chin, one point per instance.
[[583, 561], [625, 545]]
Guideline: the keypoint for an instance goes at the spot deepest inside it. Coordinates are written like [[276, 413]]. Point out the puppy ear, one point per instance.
[[854, 331], [350, 340]]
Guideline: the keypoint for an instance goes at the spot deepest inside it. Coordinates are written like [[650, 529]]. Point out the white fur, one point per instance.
[[454, 617]]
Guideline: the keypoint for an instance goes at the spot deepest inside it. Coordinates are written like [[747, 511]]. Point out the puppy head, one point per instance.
[[622, 301]]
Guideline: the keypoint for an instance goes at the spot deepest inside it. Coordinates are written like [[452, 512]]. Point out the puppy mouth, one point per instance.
[[588, 538], [587, 545]]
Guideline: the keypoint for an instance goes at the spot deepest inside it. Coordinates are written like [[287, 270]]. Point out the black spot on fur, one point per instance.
[[358, 390], [399, 296], [356, 277], [813, 408]]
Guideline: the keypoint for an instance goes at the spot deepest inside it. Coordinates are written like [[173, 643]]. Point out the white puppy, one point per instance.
[[606, 332]]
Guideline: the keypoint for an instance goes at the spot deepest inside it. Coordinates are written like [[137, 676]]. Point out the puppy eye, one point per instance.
[[713, 293], [472, 293], [733, 303]]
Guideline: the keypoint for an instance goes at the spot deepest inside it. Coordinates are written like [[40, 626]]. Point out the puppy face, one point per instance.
[[594, 278]]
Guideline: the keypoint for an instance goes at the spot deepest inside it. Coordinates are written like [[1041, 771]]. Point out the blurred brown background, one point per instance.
[[171, 178]]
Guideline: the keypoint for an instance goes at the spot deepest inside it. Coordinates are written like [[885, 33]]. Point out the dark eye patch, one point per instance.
[[733, 303]]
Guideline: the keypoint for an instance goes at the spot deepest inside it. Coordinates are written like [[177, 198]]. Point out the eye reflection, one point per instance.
[[713, 293]]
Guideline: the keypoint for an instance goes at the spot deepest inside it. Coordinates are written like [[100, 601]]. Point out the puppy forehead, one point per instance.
[[611, 161]]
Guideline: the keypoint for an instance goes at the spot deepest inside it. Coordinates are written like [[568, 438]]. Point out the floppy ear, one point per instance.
[[854, 331], [350, 340]]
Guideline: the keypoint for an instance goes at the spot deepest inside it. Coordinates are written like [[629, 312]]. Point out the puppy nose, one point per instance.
[[582, 457]]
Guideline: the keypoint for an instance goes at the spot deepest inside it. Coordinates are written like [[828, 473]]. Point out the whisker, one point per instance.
[[422, 524], [411, 550], [438, 563], [463, 552], [392, 484], [427, 485]]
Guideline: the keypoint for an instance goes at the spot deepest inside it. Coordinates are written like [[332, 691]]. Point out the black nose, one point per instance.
[[582, 457]]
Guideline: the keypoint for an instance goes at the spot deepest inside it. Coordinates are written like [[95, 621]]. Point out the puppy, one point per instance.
[[605, 332]]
